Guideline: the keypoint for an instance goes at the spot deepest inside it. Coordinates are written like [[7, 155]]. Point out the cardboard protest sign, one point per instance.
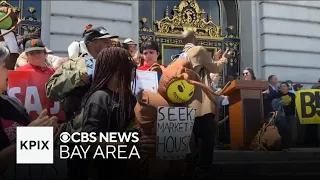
[[29, 88], [146, 80], [308, 106], [174, 129]]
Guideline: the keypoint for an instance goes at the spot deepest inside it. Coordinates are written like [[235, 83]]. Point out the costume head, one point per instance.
[[178, 83], [174, 85], [8, 20], [177, 87]]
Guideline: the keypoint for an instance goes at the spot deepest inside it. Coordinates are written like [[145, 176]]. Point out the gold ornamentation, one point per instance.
[[231, 32], [234, 46], [31, 17], [178, 41], [25, 27], [188, 16], [115, 42], [29, 29], [144, 27], [173, 41], [143, 39]]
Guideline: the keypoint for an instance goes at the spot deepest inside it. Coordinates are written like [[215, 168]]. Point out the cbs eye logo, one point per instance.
[[65, 137]]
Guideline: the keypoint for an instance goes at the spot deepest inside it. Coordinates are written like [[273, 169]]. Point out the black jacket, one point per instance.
[[12, 114]]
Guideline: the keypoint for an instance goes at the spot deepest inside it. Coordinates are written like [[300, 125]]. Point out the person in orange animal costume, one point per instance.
[[179, 86]]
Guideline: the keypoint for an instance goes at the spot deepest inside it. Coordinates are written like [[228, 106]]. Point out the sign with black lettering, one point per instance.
[[174, 129], [308, 106]]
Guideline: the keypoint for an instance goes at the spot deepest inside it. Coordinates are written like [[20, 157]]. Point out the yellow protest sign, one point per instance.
[[308, 106]]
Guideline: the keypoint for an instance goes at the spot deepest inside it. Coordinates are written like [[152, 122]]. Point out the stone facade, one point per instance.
[[284, 39], [277, 37], [65, 21]]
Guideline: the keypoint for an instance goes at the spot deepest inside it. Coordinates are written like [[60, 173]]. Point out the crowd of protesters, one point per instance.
[[100, 68]]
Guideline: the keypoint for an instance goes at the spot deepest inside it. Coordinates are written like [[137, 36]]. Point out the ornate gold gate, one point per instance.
[[188, 15], [30, 14]]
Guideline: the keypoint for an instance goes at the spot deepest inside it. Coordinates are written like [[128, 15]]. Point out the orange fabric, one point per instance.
[[148, 102], [146, 111]]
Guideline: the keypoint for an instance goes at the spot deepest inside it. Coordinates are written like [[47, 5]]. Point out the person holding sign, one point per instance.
[[287, 125], [29, 91], [36, 57], [51, 60], [179, 86], [150, 53], [13, 114]]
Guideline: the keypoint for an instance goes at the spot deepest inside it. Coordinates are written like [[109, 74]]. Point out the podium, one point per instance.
[[245, 111]]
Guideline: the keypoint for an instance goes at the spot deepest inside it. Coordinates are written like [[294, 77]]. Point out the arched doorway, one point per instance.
[[215, 23]]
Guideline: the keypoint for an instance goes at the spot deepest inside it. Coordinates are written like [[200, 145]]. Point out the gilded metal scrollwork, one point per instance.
[[143, 39], [28, 28], [31, 17], [231, 32], [144, 27], [188, 16], [30, 23], [173, 41], [235, 51]]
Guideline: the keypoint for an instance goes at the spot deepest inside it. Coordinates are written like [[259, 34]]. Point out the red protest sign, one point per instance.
[[29, 88]]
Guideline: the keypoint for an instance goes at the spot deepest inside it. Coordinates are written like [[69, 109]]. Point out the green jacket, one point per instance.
[[66, 78]]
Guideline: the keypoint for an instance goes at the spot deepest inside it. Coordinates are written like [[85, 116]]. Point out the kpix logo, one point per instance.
[[29, 145], [34, 145]]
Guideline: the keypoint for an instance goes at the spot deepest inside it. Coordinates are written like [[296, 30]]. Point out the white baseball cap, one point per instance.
[[129, 41]]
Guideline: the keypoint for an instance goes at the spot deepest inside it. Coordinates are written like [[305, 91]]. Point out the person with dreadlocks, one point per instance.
[[108, 107], [72, 80]]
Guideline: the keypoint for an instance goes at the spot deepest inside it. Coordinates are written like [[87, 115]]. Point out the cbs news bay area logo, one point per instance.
[[35, 145], [308, 106]]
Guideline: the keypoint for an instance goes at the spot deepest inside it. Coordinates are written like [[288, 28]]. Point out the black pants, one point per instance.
[[204, 132], [286, 128], [77, 168]]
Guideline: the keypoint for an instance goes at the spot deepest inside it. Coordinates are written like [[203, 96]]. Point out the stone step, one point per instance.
[[297, 154], [268, 168]]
